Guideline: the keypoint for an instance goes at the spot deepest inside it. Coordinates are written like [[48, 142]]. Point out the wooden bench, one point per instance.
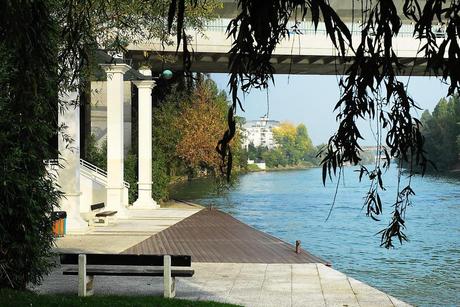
[[99, 217], [90, 265]]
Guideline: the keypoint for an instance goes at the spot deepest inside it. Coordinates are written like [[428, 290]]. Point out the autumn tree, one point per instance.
[[201, 122], [303, 141], [294, 142]]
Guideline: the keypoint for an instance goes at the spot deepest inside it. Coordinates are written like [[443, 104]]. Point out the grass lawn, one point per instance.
[[27, 298]]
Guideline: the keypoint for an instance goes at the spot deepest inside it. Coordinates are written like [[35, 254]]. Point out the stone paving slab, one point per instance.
[[251, 285], [124, 233]]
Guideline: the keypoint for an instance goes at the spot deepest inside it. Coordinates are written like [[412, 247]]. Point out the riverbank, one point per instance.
[[254, 168], [250, 168]]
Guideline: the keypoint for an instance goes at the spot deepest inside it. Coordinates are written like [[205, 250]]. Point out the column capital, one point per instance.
[[145, 83], [115, 68], [146, 71]]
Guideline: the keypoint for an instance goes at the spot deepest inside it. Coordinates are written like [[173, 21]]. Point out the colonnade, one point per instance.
[[69, 175]]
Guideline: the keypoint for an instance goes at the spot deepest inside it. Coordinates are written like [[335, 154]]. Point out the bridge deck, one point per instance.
[[214, 236]]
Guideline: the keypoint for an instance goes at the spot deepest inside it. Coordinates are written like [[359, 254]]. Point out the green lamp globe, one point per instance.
[[167, 74]]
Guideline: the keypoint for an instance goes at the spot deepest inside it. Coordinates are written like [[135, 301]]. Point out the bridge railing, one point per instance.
[[308, 28]]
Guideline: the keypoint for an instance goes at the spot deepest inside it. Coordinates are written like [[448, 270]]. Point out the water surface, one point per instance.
[[293, 205]]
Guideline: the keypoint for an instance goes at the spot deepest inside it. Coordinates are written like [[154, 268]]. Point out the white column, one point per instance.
[[115, 157], [69, 157], [145, 200]]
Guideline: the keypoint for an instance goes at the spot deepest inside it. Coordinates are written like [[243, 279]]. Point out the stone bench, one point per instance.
[[98, 216]]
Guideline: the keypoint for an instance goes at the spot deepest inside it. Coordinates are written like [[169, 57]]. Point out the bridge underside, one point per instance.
[[283, 64]]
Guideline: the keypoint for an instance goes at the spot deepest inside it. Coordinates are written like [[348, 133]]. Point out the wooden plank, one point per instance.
[[126, 259], [97, 206], [214, 236], [110, 271], [106, 213]]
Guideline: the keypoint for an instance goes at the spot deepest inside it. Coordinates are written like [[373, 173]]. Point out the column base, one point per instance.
[[76, 228], [75, 224], [116, 202], [145, 204], [123, 213]]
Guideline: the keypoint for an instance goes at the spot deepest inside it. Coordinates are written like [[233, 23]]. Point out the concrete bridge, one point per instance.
[[309, 53]]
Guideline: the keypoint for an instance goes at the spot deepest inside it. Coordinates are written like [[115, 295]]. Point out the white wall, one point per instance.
[[92, 193], [93, 189]]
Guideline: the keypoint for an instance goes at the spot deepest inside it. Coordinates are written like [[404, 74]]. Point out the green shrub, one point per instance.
[[95, 154], [253, 167], [98, 156], [130, 175], [28, 114], [160, 176]]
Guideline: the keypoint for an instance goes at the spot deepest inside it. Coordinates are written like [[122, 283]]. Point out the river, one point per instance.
[[293, 205]]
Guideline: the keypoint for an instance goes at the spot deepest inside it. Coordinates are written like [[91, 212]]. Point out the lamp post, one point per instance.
[[167, 74]]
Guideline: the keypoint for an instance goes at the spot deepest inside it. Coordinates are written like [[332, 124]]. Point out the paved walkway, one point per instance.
[[125, 233], [233, 263], [251, 285]]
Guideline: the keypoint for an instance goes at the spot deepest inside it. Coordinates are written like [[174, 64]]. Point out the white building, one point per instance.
[[259, 132]]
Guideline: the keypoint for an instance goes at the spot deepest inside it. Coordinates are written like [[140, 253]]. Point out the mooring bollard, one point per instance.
[[297, 246]]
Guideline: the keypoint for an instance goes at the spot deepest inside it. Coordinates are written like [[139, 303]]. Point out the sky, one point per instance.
[[310, 99]]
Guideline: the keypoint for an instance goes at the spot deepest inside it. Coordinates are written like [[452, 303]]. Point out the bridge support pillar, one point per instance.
[[69, 157], [145, 200], [115, 155]]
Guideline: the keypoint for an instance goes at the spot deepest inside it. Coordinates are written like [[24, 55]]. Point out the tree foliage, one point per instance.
[[28, 120], [87, 26], [293, 148], [201, 122], [275, 157], [97, 154], [294, 142], [441, 130], [166, 135]]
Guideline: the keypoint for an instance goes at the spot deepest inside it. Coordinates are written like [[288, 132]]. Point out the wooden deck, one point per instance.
[[214, 236]]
